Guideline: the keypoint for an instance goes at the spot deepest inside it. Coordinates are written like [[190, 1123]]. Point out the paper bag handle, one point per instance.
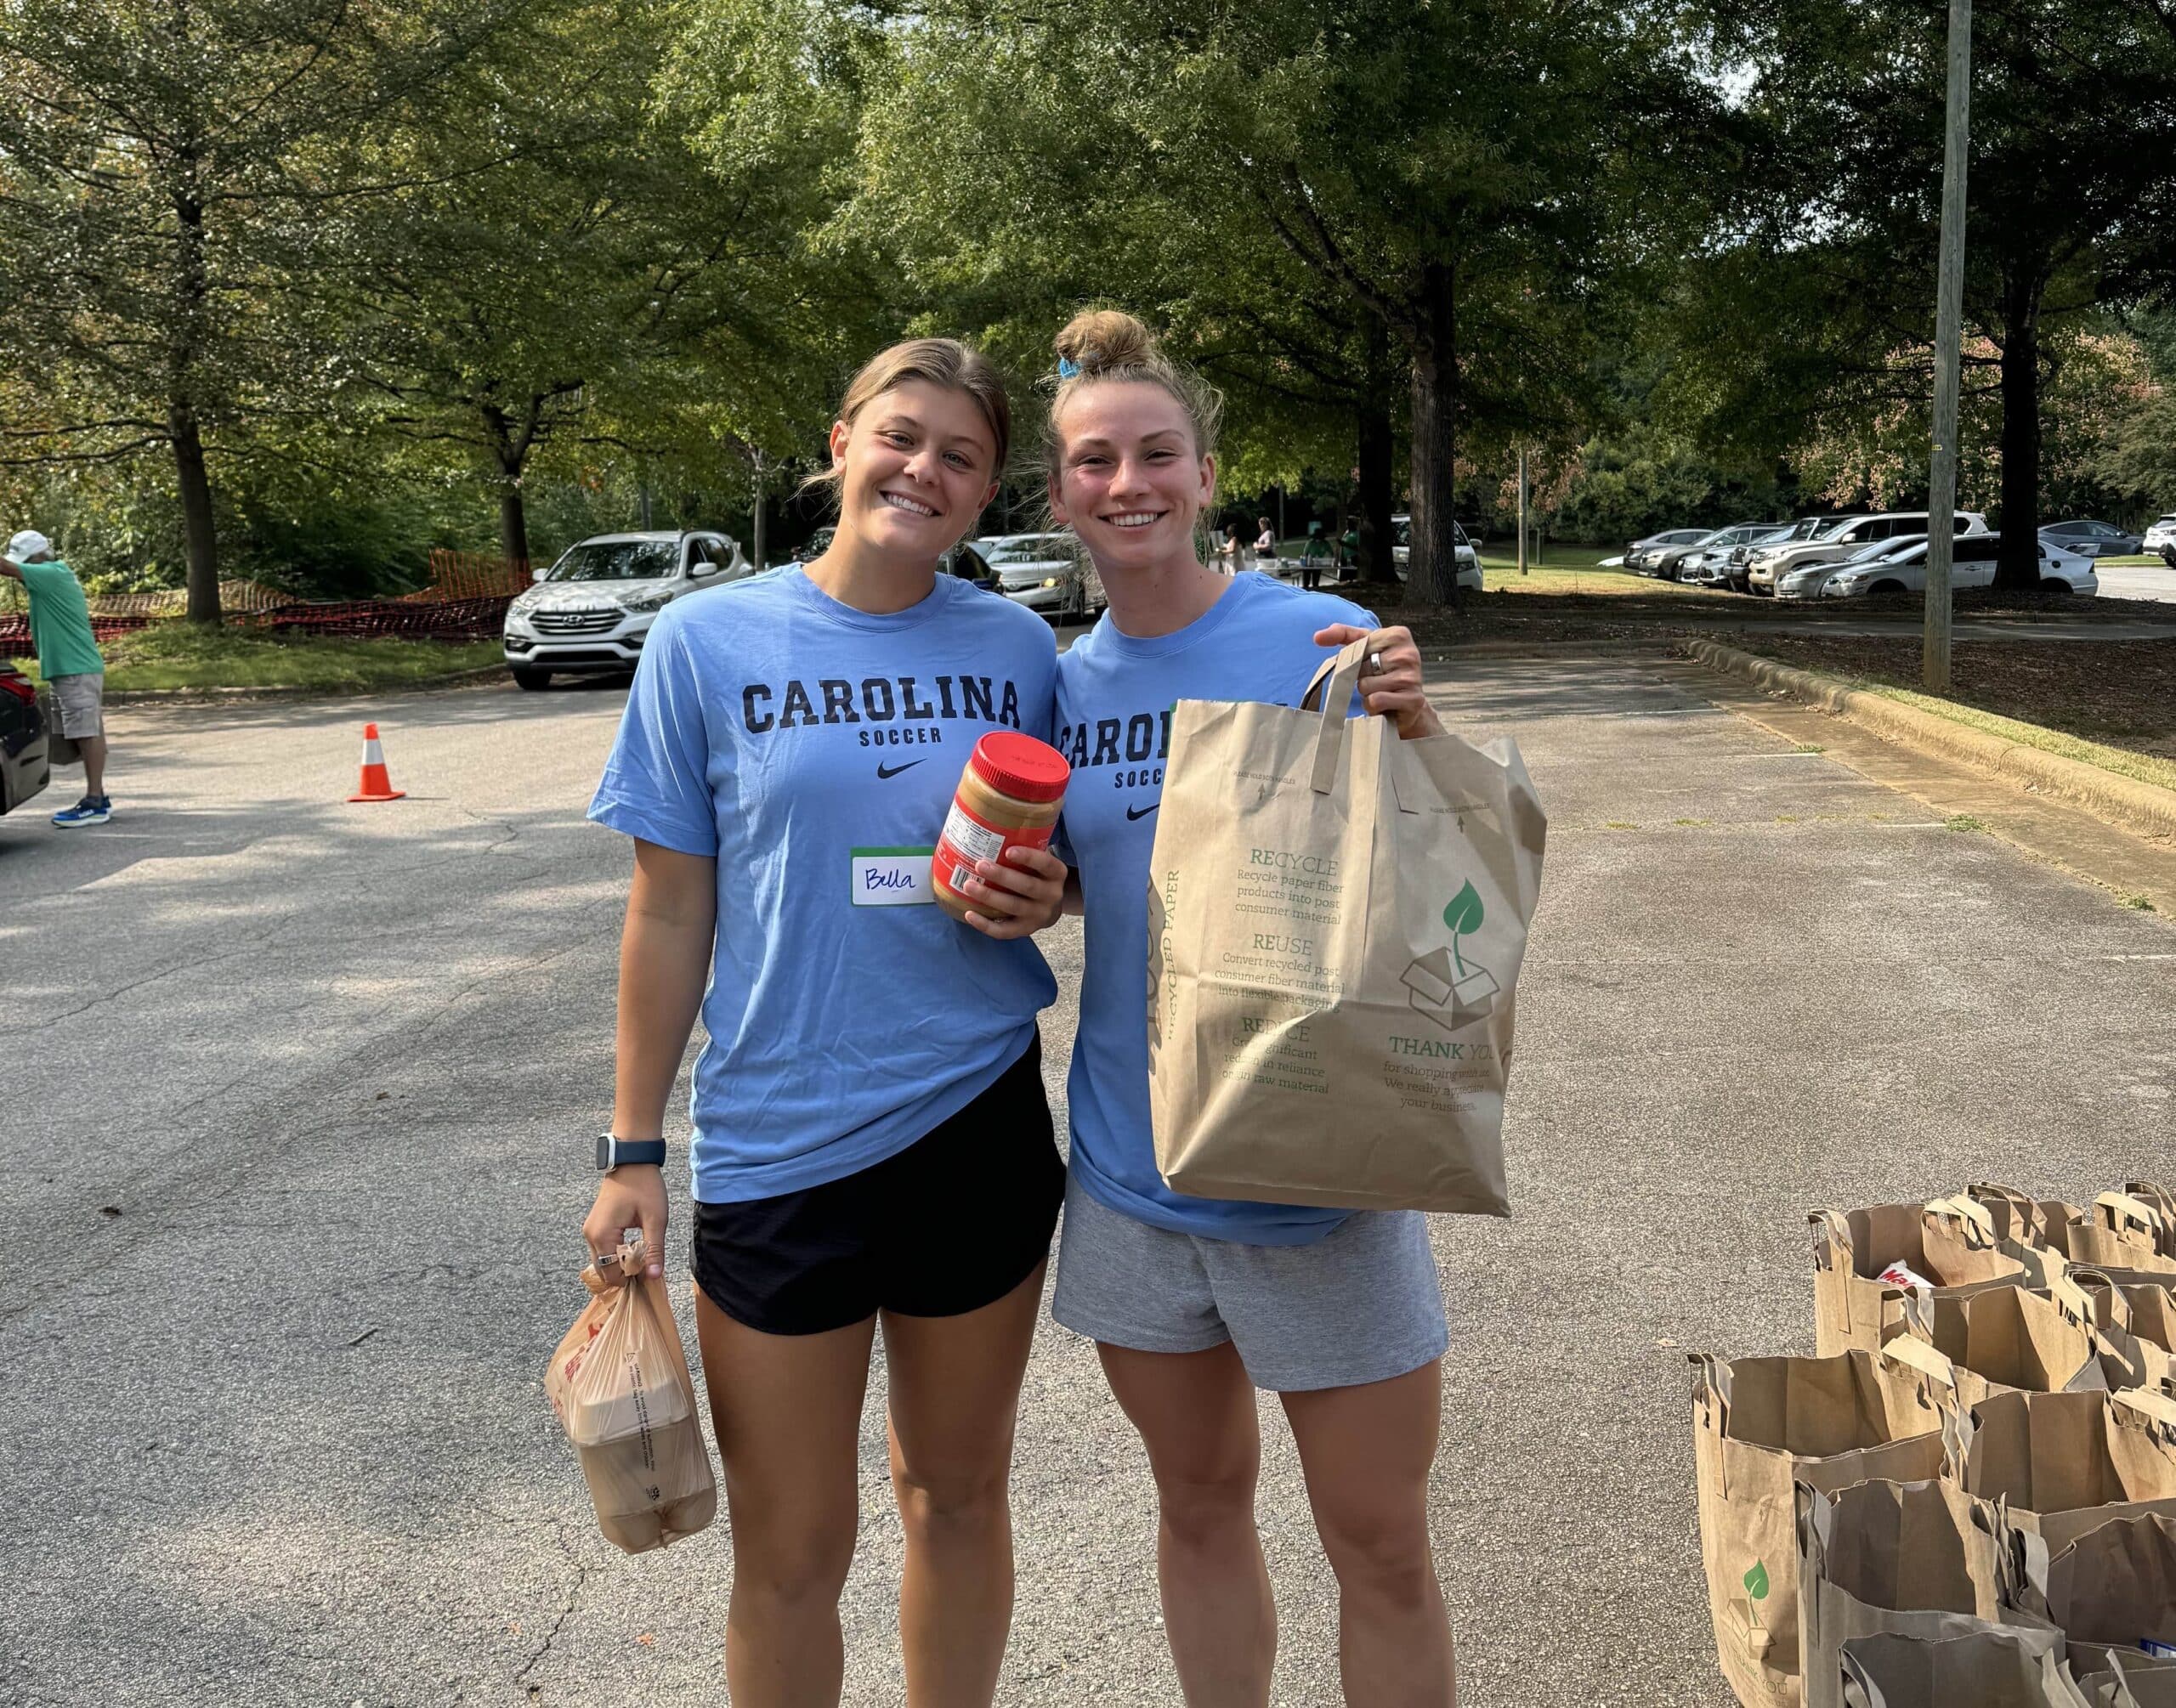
[[1342, 673], [1976, 1222]]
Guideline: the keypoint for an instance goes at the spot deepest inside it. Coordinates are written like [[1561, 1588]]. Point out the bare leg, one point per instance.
[[93, 748], [787, 1410], [1195, 1411], [955, 1397], [1366, 1451]]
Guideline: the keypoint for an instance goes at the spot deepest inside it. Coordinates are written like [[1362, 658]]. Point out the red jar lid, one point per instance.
[[1021, 767]]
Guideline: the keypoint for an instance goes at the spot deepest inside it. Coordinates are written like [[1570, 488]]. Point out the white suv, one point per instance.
[[591, 610], [1972, 565], [2161, 539], [1764, 569]]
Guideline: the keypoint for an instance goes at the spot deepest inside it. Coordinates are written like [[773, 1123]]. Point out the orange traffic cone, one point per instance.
[[376, 785]]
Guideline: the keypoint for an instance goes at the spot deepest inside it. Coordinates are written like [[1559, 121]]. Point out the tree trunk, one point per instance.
[[1432, 571], [2019, 564], [514, 522], [510, 451], [199, 542], [192, 288], [1377, 452]]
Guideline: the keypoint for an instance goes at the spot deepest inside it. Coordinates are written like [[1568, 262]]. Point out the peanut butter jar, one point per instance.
[[1009, 797]]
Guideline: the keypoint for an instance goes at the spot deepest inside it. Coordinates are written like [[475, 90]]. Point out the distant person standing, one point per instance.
[[1313, 555], [1237, 556], [68, 659], [1265, 543], [1349, 554]]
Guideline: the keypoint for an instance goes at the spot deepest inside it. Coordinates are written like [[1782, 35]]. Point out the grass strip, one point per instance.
[[183, 656], [2140, 767]]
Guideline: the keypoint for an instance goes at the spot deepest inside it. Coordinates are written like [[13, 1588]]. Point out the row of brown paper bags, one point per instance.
[[2012, 1424]]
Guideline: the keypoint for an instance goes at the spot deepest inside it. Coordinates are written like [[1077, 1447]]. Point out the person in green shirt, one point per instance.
[[1317, 553], [68, 658]]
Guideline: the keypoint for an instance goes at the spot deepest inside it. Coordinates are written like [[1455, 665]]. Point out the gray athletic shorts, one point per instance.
[[80, 699], [1360, 1305]]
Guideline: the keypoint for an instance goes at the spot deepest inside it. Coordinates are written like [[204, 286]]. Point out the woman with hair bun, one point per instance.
[[1195, 1303], [872, 1146]]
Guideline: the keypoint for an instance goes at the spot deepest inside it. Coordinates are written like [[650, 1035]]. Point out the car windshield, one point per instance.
[[617, 560], [1024, 548]]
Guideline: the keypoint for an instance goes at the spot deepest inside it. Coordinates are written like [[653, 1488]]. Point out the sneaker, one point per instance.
[[92, 809]]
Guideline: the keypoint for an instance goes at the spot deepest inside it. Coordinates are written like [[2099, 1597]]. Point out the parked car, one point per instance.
[[1047, 573], [1833, 544], [1972, 565], [2161, 538], [1787, 533], [1709, 564], [1669, 561], [592, 609], [2092, 539], [1640, 553], [1809, 580], [1468, 573], [24, 767]]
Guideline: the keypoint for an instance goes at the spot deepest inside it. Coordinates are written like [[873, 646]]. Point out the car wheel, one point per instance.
[[2168, 556], [2055, 584], [532, 679], [1881, 587]]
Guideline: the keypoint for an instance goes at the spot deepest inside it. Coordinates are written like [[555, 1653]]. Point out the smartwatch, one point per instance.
[[612, 1152]]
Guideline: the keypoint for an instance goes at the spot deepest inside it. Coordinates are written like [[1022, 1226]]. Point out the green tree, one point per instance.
[[168, 178], [2073, 122], [1464, 180]]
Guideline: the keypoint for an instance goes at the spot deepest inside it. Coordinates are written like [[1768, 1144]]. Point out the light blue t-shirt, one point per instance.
[[813, 748], [1115, 698]]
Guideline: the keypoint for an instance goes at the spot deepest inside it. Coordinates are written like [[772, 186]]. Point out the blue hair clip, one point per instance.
[[1068, 368]]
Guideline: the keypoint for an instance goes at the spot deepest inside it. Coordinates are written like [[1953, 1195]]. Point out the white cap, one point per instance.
[[27, 544]]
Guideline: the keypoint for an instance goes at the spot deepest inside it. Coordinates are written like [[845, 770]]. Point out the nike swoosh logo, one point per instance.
[[1133, 812], [884, 772]]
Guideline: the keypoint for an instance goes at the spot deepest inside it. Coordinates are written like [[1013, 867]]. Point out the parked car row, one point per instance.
[[1837, 557]]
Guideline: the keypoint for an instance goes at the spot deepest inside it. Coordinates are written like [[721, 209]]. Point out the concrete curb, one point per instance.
[[169, 697], [2145, 807]]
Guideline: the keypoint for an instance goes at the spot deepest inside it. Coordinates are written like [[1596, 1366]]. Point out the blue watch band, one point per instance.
[[612, 1153]]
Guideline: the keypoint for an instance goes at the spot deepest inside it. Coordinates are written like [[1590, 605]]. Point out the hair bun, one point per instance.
[[1098, 340]]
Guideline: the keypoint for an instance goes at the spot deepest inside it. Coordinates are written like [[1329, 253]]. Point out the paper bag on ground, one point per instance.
[[2135, 1322], [1758, 1425], [1853, 1306], [1920, 1559], [2125, 1231], [1986, 1669], [2012, 1336], [2042, 1222], [1336, 922], [621, 1387], [2113, 1589], [2129, 1679], [2062, 1464]]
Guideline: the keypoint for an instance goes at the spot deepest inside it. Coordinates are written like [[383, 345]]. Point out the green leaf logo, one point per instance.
[[1756, 1581], [1465, 912]]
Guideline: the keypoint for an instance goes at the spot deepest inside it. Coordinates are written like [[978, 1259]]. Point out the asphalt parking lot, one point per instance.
[[303, 1092]]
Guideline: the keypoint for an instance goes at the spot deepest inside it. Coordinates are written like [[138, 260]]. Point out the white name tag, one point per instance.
[[892, 877]]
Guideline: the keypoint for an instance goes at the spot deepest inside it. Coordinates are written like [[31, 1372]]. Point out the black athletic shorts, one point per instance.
[[953, 1223]]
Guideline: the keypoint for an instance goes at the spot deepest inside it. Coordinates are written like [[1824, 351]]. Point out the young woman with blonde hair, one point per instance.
[[1195, 1304], [872, 1147]]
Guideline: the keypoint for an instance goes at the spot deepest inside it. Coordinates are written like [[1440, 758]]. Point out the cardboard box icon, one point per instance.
[[1447, 994]]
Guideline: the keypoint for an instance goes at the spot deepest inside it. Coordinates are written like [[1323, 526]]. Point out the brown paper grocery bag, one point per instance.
[[2129, 1679], [1983, 1668], [1337, 918], [2134, 1320], [2112, 1590], [1921, 1560], [2062, 1464], [2125, 1230], [2041, 1339], [2042, 1222], [1759, 1426], [1853, 1306]]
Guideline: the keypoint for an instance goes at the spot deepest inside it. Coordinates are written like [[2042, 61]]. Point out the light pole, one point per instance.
[[1949, 317]]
